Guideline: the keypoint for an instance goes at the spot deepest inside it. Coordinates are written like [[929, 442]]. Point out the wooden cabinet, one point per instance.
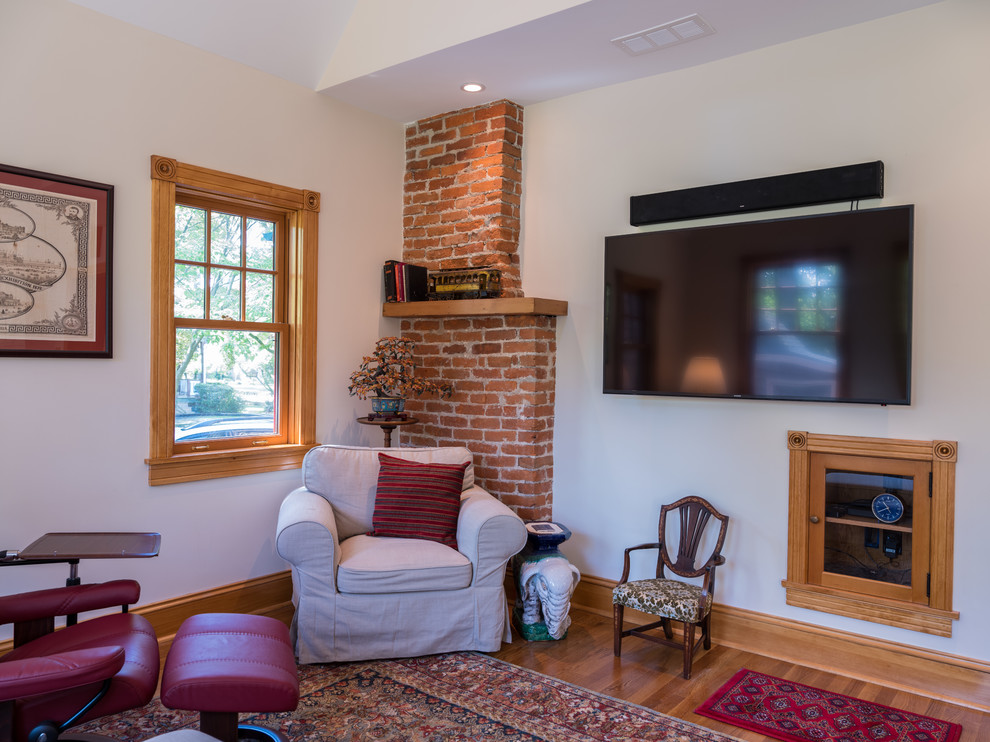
[[843, 559]]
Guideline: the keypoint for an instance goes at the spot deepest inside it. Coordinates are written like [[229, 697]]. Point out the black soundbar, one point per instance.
[[829, 185]]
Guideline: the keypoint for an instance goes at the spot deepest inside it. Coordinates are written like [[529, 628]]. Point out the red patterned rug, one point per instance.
[[459, 696], [799, 713]]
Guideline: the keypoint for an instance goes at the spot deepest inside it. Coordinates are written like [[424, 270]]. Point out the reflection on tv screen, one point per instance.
[[809, 308]]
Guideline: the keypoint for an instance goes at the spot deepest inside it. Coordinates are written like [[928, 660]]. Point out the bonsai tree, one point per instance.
[[390, 372]]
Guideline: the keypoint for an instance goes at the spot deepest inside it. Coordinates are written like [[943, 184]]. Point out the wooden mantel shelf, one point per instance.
[[476, 307]]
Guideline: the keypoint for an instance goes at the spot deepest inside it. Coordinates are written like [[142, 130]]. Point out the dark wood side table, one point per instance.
[[388, 426]]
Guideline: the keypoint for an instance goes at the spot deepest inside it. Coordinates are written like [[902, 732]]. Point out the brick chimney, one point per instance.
[[463, 190], [462, 198]]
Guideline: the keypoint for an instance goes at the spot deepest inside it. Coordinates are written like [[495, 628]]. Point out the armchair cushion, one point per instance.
[[371, 565], [661, 597], [347, 476], [417, 500]]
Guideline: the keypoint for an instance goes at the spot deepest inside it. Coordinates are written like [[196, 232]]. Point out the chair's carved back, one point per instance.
[[694, 513]]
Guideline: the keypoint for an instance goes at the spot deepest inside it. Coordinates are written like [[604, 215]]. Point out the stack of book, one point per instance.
[[405, 281]]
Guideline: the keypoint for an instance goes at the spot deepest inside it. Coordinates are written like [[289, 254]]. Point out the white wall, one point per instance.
[[88, 97], [908, 90]]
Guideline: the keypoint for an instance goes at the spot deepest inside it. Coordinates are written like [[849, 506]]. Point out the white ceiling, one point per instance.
[[392, 57]]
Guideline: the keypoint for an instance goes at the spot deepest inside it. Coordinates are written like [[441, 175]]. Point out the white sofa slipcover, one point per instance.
[[360, 597]]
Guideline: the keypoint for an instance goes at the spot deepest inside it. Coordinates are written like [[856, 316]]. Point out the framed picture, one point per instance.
[[56, 240]]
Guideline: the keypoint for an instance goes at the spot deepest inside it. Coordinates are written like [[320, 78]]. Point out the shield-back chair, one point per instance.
[[673, 599]]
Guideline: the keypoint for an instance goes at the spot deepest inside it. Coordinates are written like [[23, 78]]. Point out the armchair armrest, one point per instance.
[[489, 533], [56, 672], [63, 601], [625, 558], [306, 536], [708, 585]]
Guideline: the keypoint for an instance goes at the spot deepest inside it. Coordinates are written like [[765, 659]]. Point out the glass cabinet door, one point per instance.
[[870, 525]]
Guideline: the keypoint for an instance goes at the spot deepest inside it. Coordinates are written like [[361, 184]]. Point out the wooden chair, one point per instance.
[[672, 599]]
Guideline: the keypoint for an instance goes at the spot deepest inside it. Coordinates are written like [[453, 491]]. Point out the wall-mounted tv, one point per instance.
[[811, 308]]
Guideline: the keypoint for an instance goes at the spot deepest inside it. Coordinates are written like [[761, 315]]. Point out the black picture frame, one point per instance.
[[56, 265]]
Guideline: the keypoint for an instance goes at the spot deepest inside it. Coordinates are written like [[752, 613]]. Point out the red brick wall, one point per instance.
[[462, 196], [503, 371], [463, 189]]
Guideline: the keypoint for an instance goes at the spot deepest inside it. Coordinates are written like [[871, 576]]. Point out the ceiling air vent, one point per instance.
[[667, 34]]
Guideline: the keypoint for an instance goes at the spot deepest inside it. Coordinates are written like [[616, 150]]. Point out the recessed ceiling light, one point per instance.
[[472, 87]]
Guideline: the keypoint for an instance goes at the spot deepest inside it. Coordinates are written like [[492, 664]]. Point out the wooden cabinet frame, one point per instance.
[[929, 609]]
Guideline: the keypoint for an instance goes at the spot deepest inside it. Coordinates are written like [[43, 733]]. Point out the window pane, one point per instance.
[[225, 384], [225, 294], [190, 291], [260, 244], [225, 239], [190, 234], [260, 292]]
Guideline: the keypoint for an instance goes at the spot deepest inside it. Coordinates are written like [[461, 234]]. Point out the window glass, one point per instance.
[[260, 297], [190, 291], [225, 294], [225, 239], [190, 234], [225, 384], [260, 244], [226, 374]]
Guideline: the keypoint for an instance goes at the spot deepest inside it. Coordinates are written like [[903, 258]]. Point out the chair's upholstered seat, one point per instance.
[[662, 597], [371, 565]]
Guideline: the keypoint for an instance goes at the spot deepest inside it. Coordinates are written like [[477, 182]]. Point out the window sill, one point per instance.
[[897, 613], [192, 467]]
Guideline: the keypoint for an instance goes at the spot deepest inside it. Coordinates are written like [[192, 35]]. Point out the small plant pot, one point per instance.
[[387, 405]]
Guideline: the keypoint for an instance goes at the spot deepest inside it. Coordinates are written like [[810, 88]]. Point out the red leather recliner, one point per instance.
[[53, 680]]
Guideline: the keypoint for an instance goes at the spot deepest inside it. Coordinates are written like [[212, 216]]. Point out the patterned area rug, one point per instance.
[[459, 696], [799, 713]]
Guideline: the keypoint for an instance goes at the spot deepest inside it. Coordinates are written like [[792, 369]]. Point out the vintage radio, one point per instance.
[[470, 283]]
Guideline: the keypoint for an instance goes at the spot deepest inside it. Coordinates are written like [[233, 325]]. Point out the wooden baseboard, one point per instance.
[[927, 672], [930, 673]]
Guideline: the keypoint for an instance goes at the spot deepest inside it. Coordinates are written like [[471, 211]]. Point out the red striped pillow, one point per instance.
[[417, 500]]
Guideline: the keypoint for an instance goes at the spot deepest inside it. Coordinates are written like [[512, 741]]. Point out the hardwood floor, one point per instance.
[[650, 675]]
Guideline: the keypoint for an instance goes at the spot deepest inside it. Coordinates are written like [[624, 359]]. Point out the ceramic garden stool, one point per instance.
[[221, 664], [545, 581]]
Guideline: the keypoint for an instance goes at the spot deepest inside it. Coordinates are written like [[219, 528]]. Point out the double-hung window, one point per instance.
[[233, 324]]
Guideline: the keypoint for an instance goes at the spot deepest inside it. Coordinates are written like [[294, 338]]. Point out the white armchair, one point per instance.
[[360, 597]]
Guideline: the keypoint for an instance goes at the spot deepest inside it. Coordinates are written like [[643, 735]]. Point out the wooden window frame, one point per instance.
[[936, 616], [301, 209]]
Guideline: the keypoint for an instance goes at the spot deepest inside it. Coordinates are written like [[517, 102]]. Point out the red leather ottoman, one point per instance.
[[223, 663]]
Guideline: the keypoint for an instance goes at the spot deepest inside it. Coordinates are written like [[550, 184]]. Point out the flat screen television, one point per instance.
[[812, 308]]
